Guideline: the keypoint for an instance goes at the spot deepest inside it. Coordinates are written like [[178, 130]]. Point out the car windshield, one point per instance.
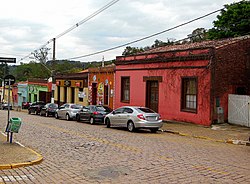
[[103, 108], [145, 110], [76, 106]]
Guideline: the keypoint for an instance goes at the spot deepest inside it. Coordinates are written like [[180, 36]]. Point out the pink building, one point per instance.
[[185, 82]]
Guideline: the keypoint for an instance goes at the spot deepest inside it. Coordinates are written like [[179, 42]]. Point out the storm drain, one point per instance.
[[110, 172]]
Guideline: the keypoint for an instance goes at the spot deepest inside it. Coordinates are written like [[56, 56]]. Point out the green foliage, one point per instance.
[[131, 51], [24, 72], [233, 21], [199, 34], [135, 50]]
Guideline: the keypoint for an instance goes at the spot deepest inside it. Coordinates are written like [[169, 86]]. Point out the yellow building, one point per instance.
[[72, 88]]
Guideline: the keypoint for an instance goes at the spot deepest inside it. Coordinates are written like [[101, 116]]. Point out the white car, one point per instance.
[[134, 117], [67, 111]]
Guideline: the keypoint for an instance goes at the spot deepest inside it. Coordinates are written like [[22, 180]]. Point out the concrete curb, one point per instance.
[[229, 141], [23, 164]]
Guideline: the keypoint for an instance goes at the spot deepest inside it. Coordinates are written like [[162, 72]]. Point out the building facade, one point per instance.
[[101, 86], [185, 82], [72, 88]]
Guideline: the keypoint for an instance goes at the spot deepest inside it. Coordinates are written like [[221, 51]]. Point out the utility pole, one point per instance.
[[52, 72]]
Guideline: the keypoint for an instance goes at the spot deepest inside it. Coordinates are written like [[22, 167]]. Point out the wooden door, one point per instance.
[[94, 93], [152, 95]]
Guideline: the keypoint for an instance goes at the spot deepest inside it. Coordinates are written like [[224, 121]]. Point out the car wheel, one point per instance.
[[29, 112], [67, 117], [108, 124], [131, 126], [56, 116], [46, 114], [36, 112], [154, 130], [78, 118], [92, 121], [41, 114]]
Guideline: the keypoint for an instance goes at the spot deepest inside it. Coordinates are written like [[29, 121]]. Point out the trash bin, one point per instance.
[[15, 124]]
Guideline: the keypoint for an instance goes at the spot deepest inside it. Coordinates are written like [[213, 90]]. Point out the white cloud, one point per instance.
[[26, 25]]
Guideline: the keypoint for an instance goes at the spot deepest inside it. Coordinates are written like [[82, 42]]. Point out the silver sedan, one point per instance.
[[67, 111], [134, 117]]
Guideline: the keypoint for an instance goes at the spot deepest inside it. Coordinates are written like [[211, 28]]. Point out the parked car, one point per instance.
[[26, 105], [67, 111], [36, 107], [93, 113], [49, 109], [133, 118], [4, 106]]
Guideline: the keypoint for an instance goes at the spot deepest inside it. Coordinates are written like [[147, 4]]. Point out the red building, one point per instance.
[[185, 82]]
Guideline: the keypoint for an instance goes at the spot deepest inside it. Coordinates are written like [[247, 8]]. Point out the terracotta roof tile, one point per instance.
[[204, 44]]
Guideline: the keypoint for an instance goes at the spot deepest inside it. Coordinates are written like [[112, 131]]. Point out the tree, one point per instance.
[[41, 55], [131, 50], [197, 35], [233, 21], [159, 43]]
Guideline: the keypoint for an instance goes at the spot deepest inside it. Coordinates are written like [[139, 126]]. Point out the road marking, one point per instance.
[[11, 179], [210, 169]]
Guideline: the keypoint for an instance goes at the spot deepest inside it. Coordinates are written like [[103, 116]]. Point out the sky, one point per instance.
[[26, 25]]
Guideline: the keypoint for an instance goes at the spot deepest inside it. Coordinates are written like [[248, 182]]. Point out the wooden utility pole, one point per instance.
[[52, 72]]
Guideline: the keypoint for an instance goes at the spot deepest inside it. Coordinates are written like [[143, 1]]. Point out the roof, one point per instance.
[[72, 76], [182, 52], [204, 44]]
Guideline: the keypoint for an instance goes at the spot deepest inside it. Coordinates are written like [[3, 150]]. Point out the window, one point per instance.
[[118, 111], [128, 110], [125, 89], [80, 95], [189, 94]]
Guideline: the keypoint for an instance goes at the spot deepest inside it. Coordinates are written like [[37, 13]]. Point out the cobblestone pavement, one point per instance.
[[82, 153]]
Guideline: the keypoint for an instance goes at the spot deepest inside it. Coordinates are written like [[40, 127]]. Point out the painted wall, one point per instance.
[[76, 84], [22, 93], [232, 70], [34, 92], [102, 77], [169, 89]]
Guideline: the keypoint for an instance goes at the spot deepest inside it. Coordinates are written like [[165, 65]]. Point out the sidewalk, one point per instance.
[[14, 155], [225, 133]]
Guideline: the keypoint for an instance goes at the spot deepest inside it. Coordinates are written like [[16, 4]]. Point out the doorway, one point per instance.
[[72, 95], [94, 93], [152, 95], [106, 95]]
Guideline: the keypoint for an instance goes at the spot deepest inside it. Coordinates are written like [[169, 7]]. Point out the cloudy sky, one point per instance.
[[26, 25]]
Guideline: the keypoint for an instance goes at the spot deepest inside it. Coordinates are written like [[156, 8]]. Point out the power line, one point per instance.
[[76, 25], [147, 37], [87, 18]]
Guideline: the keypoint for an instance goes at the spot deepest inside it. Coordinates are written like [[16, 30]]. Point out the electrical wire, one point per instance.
[[111, 3], [147, 37]]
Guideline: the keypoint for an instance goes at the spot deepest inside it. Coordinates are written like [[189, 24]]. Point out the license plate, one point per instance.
[[151, 118]]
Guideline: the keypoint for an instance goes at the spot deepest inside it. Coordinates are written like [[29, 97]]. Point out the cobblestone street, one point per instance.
[[82, 153]]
